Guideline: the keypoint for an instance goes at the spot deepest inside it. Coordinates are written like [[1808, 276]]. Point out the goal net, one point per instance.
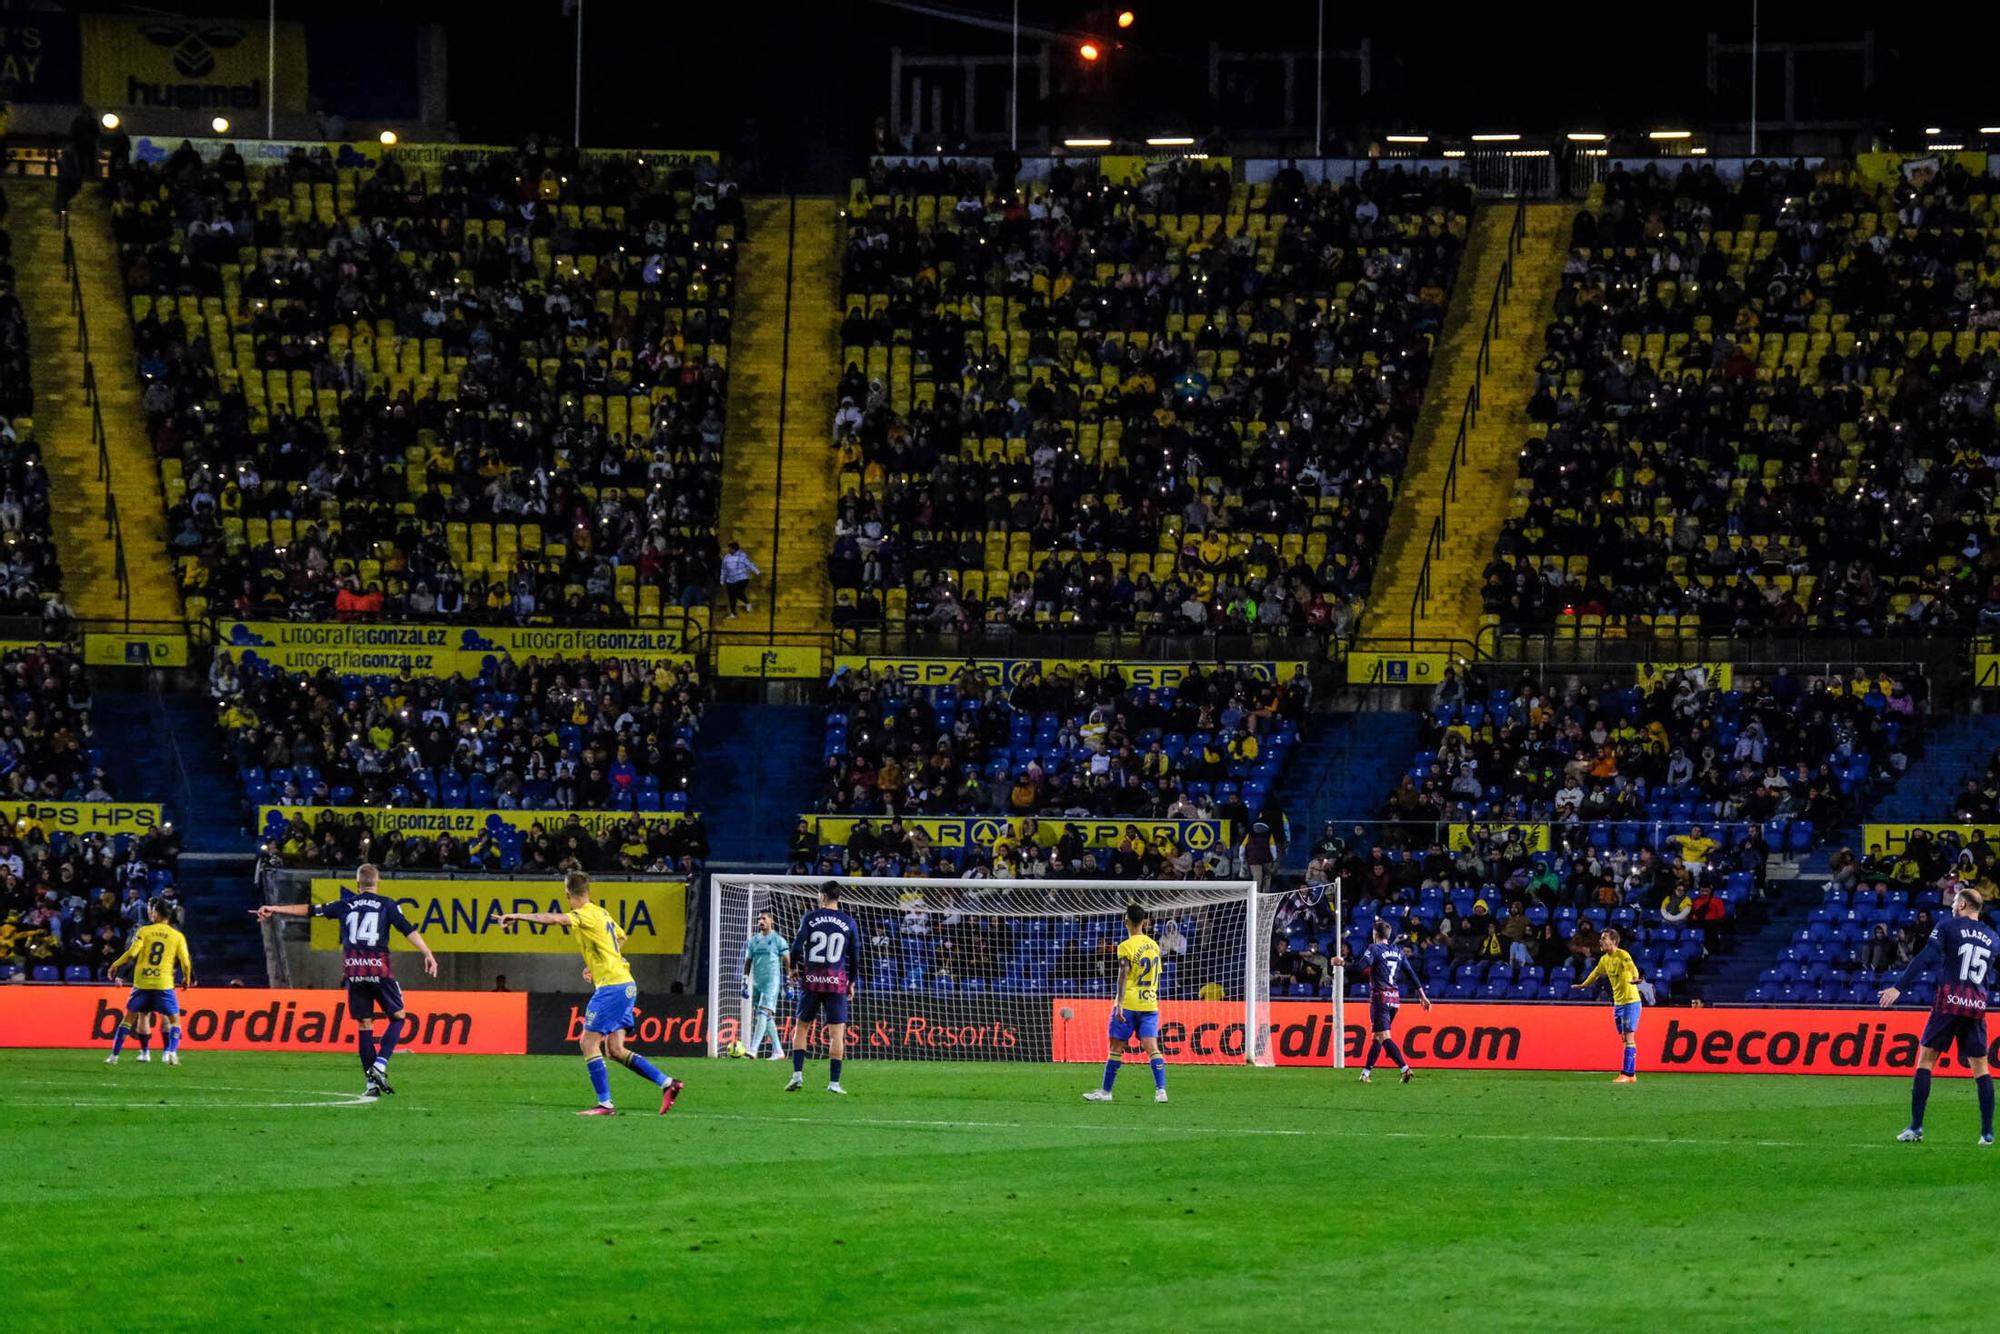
[[1014, 970]]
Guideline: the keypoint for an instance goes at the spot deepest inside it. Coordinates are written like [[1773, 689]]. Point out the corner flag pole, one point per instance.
[[1339, 985]]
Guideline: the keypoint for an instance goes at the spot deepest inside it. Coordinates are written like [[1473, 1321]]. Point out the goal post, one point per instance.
[[1018, 970]]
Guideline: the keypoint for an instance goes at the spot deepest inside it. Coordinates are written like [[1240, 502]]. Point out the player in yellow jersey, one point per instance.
[[610, 1012], [1617, 970], [156, 950], [1136, 1009]]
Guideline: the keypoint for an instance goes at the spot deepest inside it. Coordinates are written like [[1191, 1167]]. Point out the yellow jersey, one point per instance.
[[155, 949], [598, 936], [1617, 970], [1141, 957]]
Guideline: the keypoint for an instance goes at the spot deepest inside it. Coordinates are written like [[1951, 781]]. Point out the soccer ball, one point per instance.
[[736, 1051]]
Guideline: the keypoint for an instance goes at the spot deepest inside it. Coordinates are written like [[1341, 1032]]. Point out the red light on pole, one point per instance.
[[1090, 52], [1126, 18]]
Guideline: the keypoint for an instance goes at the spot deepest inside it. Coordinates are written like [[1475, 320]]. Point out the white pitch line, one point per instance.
[[333, 1100], [1334, 1132]]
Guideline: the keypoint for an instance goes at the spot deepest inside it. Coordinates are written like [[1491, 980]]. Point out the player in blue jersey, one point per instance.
[[826, 954], [366, 918], [1387, 965], [1962, 947]]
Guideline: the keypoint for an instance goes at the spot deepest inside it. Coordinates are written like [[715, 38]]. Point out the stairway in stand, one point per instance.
[[784, 358], [166, 741], [1486, 476], [62, 415], [756, 778], [1344, 770]]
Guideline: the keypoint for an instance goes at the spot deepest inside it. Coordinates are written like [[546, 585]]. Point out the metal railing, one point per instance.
[[1468, 417], [114, 530]]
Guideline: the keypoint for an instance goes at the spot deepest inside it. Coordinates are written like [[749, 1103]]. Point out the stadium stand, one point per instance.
[[1068, 745], [1663, 807], [56, 923], [492, 389], [1498, 920], [1873, 915], [1765, 410], [47, 750], [1797, 754], [551, 734], [1174, 404], [32, 576]]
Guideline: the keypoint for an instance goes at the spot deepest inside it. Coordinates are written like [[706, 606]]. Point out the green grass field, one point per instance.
[[248, 1190]]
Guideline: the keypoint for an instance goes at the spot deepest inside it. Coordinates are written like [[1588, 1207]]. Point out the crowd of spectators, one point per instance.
[[70, 902], [546, 734], [1766, 406], [491, 389], [1875, 914], [30, 578], [637, 844], [1167, 403], [1978, 800], [1503, 918], [47, 749], [1798, 753], [1065, 744]]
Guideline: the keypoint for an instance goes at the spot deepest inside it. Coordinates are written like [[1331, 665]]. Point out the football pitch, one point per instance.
[[253, 1190]]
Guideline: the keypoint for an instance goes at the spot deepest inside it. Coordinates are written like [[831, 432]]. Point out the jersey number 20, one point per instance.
[[826, 947]]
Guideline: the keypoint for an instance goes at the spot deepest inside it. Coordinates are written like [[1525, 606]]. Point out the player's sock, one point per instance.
[[1111, 1065], [145, 1041], [1394, 1052], [1159, 1064], [367, 1045], [833, 1070], [118, 1039], [798, 1061], [1374, 1050], [644, 1068], [600, 1079], [1985, 1086], [1631, 1066], [385, 1046], [1920, 1093], [174, 1037]]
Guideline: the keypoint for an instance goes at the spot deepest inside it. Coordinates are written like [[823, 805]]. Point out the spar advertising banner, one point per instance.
[[1532, 1037], [885, 1025], [242, 1019]]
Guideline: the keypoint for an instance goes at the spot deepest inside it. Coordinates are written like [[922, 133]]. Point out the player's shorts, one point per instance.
[[610, 1009], [765, 999], [1626, 1017], [1381, 1017], [1967, 1030], [828, 1007], [1129, 1024], [147, 1000], [368, 997]]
